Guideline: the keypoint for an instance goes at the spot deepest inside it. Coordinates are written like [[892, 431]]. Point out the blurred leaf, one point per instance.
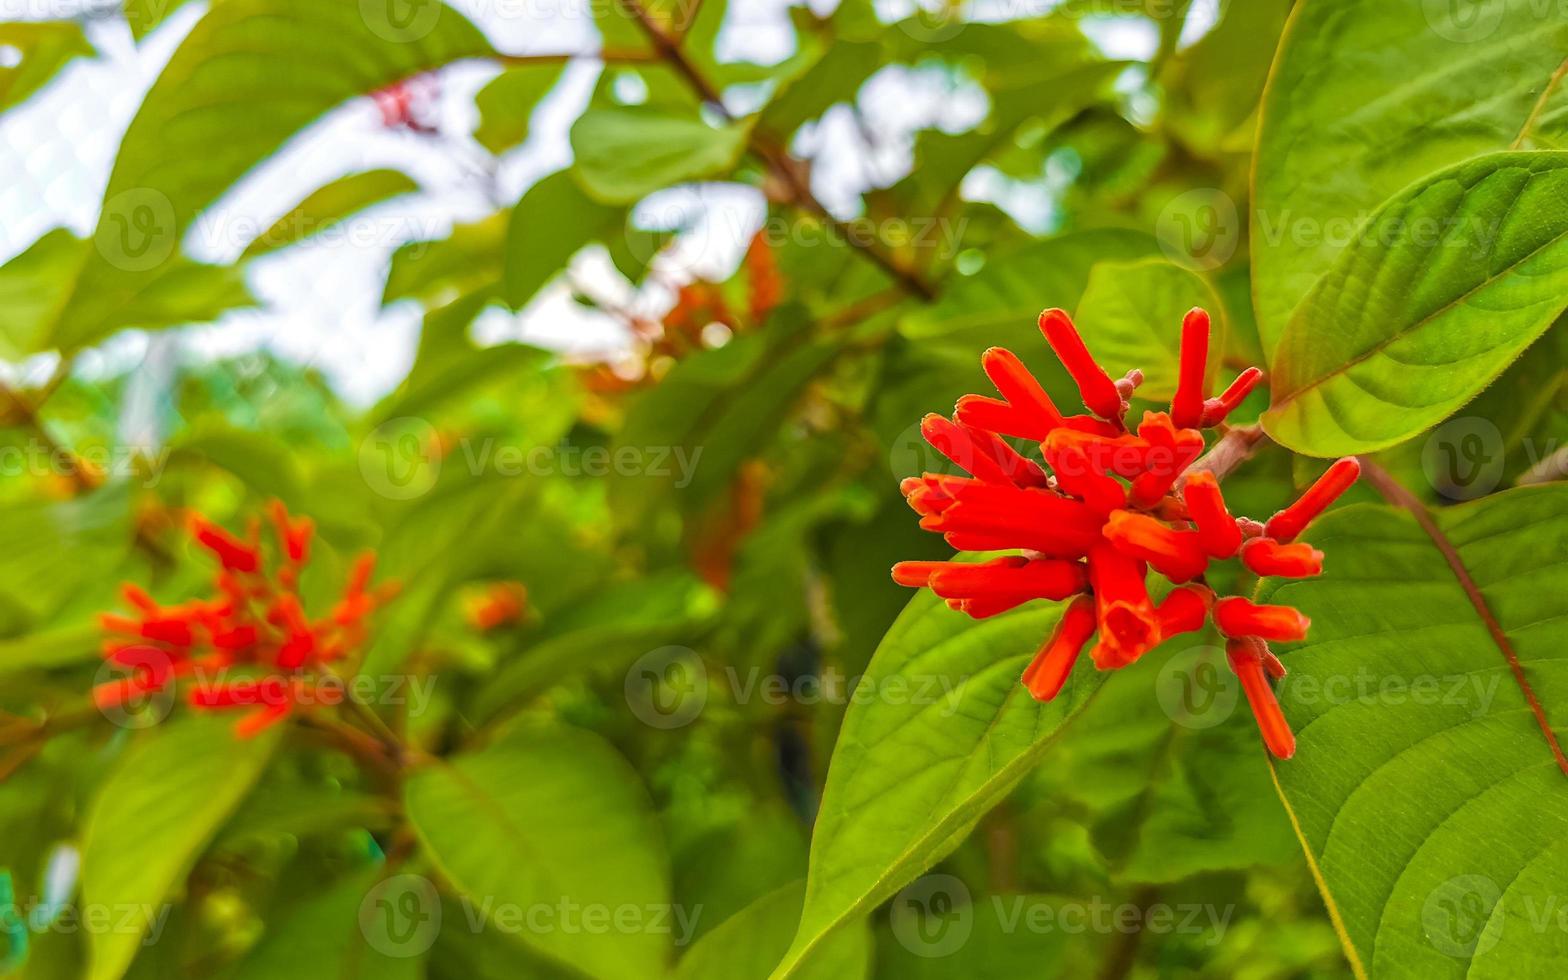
[[624, 154], [250, 75], [834, 78], [551, 818], [1131, 314], [323, 936], [943, 733], [1367, 96], [60, 558], [1450, 281], [997, 939], [155, 813], [326, 208], [606, 629], [1000, 305], [144, 15], [48, 649], [551, 223], [296, 808], [1412, 772], [1213, 86], [438, 272], [749, 943], [32, 287], [263, 463], [42, 49], [508, 101]]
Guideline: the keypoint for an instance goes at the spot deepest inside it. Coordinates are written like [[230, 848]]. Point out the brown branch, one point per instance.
[[1232, 449], [1395, 493], [784, 167]]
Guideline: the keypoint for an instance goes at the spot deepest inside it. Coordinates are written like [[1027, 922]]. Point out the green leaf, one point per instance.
[[1426, 790], [324, 937], [940, 731], [326, 208], [440, 272], [50, 648], [144, 15], [608, 628], [836, 77], [155, 813], [250, 75], [624, 154], [1445, 286], [1131, 315], [1000, 304], [1368, 96], [552, 818], [44, 49], [32, 287], [508, 101], [552, 222], [748, 944]]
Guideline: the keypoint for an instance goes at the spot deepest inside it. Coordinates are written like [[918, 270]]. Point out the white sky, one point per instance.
[[320, 303]]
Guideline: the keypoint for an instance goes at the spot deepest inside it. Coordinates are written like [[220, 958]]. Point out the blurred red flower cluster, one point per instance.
[[1108, 505], [251, 644]]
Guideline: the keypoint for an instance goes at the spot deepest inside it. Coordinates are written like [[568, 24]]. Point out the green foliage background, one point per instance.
[[718, 710]]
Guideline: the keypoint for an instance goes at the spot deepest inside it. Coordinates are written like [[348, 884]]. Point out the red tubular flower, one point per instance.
[[1217, 530], [1105, 513], [1236, 616], [1247, 659], [1185, 610], [1192, 377], [254, 621], [1026, 400], [1048, 671], [1268, 557], [1215, 410], [1285, 525], [1127, 621], [1098, 390], [1175, 554]]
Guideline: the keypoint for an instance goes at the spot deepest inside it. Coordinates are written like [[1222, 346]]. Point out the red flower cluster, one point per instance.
[[1113, 504], [254, 624]]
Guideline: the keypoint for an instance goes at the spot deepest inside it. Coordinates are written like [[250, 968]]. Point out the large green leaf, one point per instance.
[[32, 286], [1445, 285], [940, 731], [436, 273], [552, 819], [326, 208], [1367, 96], [163, 802], [1427, 787], [250, 75], [625, 154], [1131, 314], [748, 944]]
